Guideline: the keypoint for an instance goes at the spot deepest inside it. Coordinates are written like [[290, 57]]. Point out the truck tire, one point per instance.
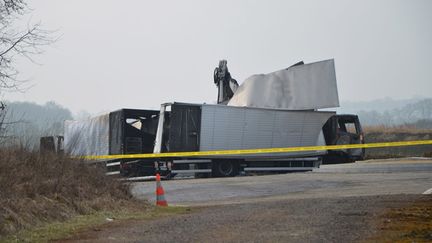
[[225, 168]]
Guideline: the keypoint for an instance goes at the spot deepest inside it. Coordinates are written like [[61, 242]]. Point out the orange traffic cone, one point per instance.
[[160, 194]]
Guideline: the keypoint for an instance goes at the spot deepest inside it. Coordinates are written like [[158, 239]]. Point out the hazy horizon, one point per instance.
[[140, 54], [352, 107]]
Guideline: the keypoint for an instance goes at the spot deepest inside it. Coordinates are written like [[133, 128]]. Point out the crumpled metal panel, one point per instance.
[[87, 137], [302, 87]]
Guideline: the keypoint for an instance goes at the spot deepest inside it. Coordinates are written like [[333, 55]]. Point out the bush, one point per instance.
[[36, 189]]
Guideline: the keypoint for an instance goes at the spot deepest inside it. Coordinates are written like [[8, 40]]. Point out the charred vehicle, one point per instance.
[[343, 129], [279, 109]]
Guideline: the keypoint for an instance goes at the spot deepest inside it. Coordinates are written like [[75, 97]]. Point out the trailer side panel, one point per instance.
[[225, 127]]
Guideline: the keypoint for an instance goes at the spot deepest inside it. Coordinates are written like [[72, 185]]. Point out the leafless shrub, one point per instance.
[[17, 42]]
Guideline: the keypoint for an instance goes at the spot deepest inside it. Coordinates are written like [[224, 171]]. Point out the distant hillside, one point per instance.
[[378, 105], [391, 112], [26, 122]]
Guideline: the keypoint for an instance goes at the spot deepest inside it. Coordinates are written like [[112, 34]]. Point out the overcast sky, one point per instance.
[[138, 54]]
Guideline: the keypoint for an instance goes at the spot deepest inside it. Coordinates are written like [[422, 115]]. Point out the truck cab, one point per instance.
[[339, 130]]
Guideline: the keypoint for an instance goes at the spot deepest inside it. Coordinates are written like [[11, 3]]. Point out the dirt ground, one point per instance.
[[347, 219], [410, 223]]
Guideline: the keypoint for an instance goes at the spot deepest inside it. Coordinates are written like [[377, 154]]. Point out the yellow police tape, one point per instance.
[[258, 151]]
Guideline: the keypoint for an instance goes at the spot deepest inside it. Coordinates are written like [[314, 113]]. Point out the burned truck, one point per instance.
[[203, 127], [273, 110]]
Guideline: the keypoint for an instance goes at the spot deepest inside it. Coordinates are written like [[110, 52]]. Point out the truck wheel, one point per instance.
[[225, 168]]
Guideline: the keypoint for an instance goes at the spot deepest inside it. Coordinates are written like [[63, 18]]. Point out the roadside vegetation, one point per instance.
[[405, 128], [407, 132], [39, 190]]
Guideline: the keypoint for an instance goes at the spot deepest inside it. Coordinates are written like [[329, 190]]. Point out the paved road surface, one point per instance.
[[356, 179]]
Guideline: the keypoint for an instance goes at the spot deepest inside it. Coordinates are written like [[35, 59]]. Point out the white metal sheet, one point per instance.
[[303, 87]]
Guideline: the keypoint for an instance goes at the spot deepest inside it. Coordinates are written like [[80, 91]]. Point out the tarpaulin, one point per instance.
[[87, 137]]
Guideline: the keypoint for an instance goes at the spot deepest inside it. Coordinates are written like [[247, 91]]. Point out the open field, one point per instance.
[[394, 134]]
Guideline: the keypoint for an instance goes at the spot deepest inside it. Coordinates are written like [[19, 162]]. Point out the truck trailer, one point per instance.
[[274, 110], [185, 127]]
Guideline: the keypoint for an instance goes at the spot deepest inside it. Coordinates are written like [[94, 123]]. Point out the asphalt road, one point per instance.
[[368, 178]]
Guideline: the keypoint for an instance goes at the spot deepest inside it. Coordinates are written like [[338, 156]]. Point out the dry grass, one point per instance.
[[375, 134], [411, 129], [38, 189]]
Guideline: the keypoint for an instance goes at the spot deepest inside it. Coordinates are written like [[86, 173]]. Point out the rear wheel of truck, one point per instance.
[[225, 168]]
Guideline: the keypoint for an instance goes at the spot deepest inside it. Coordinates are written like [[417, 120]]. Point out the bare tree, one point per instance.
[[16, 42]]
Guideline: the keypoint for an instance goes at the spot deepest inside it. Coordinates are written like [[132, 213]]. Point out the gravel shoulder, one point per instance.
[[348, 219]]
